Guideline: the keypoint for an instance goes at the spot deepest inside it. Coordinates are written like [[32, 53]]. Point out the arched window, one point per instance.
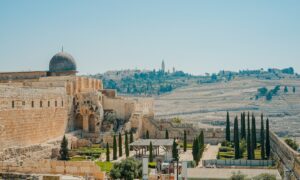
[[13, 104], [48, 103], [23, 103], [32, 103], [62, 103], [41, 103], [55, 103]]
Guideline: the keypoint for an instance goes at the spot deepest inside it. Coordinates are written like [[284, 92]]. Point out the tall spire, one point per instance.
[[163, 66], [62, 48]]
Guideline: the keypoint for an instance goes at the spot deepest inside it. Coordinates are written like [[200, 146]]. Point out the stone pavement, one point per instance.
[[210, 152]]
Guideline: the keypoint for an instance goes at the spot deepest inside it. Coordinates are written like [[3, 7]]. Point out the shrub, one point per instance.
[[225, 149], [238, 176], [129, 168], [262, 91], [152, 164], [293, 144], [265, 176]]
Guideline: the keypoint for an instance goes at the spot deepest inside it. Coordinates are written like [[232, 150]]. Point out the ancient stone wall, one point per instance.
[[288, 158], [157, 129], [82, 168], [123, 107], [9, 76], [30, 115]]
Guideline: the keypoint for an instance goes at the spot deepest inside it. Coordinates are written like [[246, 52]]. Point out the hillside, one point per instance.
[[149, 83], [206, 104]]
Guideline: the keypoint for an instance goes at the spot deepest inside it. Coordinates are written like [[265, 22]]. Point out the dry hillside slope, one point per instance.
[[206, 104]]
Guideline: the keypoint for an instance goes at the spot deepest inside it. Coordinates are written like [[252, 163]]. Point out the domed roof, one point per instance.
[[62, 61]]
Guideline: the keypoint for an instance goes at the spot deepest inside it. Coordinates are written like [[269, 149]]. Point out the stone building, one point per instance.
[[40, 106]]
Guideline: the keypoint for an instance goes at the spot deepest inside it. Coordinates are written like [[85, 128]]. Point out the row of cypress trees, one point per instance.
[[198, 147], [249, 135], [115, 156]]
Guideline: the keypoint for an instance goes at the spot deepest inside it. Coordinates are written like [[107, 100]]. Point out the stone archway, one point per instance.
[[92, 123], [78, 124]]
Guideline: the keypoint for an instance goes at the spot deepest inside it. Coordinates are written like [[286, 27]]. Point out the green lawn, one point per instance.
[[87, 153], [105, 166], [77, 158], [188, 145], [226, 152]]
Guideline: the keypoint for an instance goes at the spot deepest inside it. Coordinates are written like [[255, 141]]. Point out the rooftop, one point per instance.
[[155, 142]]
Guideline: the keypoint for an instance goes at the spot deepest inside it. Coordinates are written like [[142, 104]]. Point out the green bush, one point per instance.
[[105, 166], [265, 176], [226, 155], [152, 164], [225, 149], [238, 176], [293, 144]]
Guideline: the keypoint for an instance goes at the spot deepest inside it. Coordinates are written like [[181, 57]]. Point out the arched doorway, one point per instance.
[[78, 124], [92, 123]]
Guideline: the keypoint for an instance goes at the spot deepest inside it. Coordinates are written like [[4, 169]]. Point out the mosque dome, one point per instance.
[[61, 62]]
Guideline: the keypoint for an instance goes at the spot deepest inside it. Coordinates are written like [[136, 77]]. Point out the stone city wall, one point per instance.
[[123, 107], [30, 116], [9, 76], [289, 159], [82, 168]]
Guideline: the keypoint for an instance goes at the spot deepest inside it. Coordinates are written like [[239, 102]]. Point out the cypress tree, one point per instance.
[[227, 127], [131, 139], [249, 149], [115, 148], [120, 145], [262, 138], [253, 137], [107, 153], [126, 145], [150, 152], [175, 151], [294, 89], [268, 148], [184, 141], [243, 128], [147, 134], [236, 139], [201, 144], [64, 151], [167, 134], [196, 150]]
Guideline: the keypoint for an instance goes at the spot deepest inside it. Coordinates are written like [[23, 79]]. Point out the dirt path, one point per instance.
[[210, 152]]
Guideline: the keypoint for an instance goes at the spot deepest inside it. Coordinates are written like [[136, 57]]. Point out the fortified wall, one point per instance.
[[31, 116], [289, 159], [82, 168]]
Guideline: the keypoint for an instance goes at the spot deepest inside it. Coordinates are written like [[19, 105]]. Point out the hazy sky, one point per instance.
[[194, 36]]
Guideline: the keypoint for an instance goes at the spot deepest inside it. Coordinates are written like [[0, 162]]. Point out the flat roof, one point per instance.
[[155, 142], [226, 173]]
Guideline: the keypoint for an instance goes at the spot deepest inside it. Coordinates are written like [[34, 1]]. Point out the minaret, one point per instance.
[[163, 66]]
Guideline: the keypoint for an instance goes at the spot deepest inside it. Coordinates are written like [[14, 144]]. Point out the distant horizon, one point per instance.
[[196, 37]]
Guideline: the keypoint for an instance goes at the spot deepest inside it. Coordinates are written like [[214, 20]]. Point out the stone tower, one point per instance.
[[163, 66]]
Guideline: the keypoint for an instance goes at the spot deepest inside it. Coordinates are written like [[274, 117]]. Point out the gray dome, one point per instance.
[[61, 62]]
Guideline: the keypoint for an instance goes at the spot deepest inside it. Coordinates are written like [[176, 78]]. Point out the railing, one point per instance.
[[237, 162]]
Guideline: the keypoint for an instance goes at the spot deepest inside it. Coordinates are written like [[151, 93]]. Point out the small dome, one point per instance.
[[61, 62]]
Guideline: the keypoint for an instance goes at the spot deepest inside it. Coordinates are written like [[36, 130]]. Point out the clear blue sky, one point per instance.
[[194, 36]]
